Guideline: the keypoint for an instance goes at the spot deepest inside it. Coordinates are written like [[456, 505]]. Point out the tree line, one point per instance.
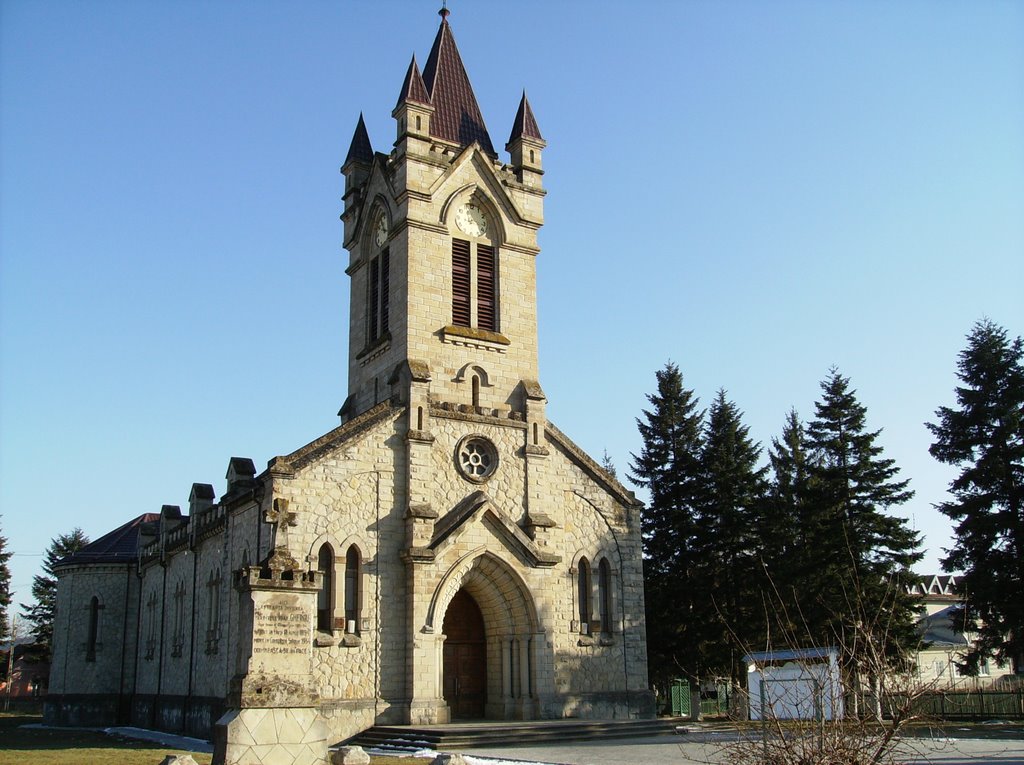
[[747, 550]]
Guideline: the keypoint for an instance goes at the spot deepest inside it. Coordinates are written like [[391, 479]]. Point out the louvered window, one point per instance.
[[378, 299], [385, 290], [485, 287], [461, 306], [474, 285]]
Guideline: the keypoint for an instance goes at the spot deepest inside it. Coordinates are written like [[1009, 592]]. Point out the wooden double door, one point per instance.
[[465, 658]]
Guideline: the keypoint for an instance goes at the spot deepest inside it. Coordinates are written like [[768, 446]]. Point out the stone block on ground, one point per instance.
[[350, 755], [178, 759], [449, 758]]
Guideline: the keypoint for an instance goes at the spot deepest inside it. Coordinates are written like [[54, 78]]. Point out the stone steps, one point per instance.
[[402, 738]]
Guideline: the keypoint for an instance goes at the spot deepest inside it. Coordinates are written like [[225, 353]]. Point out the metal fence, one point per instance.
[[963, 705], [713, 701]]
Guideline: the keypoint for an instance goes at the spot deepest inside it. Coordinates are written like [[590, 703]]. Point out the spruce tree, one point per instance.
[[858, 555], [984, 438], [5, 587], [782, 535], [608, 465], [44, 588], [732, 488], [668, 466]]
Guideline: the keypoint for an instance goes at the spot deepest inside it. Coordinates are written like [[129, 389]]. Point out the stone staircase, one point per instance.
[[408, 738]]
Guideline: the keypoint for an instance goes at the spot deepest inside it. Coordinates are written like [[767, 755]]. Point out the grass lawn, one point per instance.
[[19, 746]]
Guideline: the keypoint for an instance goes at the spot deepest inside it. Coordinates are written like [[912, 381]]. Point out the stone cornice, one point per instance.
[[595, 471], [333, 439]]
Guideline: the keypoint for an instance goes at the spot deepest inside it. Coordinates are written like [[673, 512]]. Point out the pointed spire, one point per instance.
[[525, 125], [413, 88], [360, 150], [457, 116]]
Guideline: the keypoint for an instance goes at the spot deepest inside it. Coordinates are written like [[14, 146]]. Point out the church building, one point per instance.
[[446, 553]]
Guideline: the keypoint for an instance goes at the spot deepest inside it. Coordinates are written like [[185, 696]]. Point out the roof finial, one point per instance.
[[444, 12]]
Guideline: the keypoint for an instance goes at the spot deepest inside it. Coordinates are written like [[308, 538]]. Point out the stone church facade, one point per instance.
[[445, 553]]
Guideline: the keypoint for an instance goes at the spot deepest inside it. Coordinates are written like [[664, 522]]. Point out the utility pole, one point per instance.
[[10, 662]]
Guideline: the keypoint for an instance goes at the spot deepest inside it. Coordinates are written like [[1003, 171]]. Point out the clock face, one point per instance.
[[470, 220], [380, 231]]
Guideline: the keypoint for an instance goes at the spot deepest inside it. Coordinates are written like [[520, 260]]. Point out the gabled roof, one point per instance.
[[413, 88], [360, 149], [457, 116], [525, 124], [119, 546]]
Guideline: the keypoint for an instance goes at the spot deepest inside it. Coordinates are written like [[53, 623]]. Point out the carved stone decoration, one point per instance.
[[476, 458]]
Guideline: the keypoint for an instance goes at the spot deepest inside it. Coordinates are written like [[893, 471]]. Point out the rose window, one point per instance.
[[476, 458]]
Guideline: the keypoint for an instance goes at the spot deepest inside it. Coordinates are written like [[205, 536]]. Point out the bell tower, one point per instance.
[[442, 237]]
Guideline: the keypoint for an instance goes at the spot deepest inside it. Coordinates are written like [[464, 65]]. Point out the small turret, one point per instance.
[[356, 167], [413, 110], [525, 145]]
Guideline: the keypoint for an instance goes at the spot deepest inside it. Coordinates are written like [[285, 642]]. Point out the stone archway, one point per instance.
[[512, 641]]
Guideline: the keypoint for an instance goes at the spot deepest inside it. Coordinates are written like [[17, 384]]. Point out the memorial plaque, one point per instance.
[[282, 633]]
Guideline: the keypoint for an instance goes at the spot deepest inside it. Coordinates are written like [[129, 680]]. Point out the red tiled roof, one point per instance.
[[524, 125], [118, 546], [457, 116], [413, 89]]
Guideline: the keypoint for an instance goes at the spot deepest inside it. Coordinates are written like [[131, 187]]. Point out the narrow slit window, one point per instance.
[[325, 598], [583, 595], [604, 585], [352, 590]]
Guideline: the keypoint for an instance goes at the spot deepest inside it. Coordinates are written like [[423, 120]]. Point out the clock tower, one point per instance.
[[442, 237]]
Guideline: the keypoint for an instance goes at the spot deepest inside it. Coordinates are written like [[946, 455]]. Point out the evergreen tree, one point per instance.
[[5, 587], [783, 527], [733, 486], [984, 438], [668, 466], [44, 588], [782, 536], [607, 464], [858, 557]]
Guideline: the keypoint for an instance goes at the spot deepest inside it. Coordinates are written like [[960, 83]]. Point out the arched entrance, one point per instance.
[[495, 677], [465, 658]]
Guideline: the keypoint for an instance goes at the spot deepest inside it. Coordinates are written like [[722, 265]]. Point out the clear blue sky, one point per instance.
[[757, 191]]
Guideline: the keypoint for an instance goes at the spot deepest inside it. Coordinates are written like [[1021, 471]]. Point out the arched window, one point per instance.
[[325, 598], [583, 595], [178, 636], [94, 629], [213, 585], [474, 271], [604, 586], [352, 590]]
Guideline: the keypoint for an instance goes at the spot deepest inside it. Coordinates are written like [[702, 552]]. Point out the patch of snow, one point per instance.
[[156, 736], [164, 739], [473, 760]]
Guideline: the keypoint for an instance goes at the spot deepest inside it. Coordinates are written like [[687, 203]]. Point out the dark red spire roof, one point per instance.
[[360, 149], [524, 125], [457, 116], [413, 89]]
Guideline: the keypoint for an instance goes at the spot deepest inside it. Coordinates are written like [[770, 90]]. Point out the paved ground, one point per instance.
[[710, 747]]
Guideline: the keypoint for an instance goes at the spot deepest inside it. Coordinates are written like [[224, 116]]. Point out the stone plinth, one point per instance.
[[277, 718]]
